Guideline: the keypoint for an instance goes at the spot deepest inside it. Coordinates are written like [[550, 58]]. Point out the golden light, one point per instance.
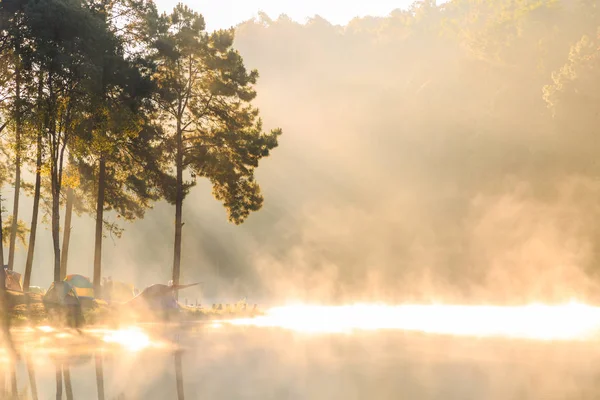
[[572, 321], [46, 329], [132, 339]]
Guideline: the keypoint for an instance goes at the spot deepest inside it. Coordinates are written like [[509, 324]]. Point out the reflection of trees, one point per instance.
[[4, 317], [99, 375], [13, 381], [58, 376], [67, 379], [31, 374], [63, 374], [179, 374], [11, 392]]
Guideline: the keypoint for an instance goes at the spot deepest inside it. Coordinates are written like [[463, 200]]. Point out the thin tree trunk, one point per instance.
[[179, 375], [13, 380], [15, 215], [1, 237], [56, 228], [99, 223], [67, 377], [58, 381], [36, 195], [66, 234], [31, 374], [99, 376], [4, 308], [178, 209], [4, 311], [55, 172], [34, 216], [59, 145], [3, 390]]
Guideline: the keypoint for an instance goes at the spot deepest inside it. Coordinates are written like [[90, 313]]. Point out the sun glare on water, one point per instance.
[[572, 321], [132, 339]]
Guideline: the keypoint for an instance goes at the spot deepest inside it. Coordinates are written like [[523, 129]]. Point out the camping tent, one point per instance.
[[156, 297], [82, 285], [13, 280], [61, 301], [61, 294]]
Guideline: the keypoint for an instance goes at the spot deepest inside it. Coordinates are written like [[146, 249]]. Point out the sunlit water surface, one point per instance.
[[317, 352]]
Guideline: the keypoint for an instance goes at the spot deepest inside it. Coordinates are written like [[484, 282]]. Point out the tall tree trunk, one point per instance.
[[15, 215], [3, 391], [67, 378], [13, 380], [34, 215], [99, 376], [58, 376], [99, 225], [66, 234], [4, 317], [36, 195], [56, 227], [31, 374], [179, 375], [55, 190], [1, 237], [178, 208]]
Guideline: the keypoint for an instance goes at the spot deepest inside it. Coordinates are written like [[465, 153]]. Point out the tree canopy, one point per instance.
[[92, 87]]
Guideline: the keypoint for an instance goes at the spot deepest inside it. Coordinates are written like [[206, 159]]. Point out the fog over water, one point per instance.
[[225, 362]]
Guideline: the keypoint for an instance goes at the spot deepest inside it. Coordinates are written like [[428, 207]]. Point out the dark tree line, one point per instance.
[[110, 102]]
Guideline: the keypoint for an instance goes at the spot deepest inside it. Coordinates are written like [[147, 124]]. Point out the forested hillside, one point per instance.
[[441, 152]]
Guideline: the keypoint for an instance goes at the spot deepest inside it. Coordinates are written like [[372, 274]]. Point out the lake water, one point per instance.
[[224, 361]]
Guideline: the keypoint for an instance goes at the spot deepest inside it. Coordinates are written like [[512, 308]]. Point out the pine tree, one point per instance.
[[212, 130]]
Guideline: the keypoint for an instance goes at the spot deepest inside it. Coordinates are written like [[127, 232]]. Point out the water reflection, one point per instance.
[[99, 375], [31, 375], [3, 389], [59, 386], [179, 375], [67, 380], [245, 362]]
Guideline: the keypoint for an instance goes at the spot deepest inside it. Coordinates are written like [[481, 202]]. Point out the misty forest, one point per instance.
[[451, 146], [445, 153]]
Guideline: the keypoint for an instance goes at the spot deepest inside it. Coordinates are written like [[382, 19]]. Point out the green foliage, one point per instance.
[[575, 85], [204, 92], [22, 230]]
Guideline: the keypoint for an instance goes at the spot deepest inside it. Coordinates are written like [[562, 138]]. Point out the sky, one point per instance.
[[221, 14]]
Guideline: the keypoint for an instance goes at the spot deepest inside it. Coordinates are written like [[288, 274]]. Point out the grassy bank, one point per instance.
[[28, 309]]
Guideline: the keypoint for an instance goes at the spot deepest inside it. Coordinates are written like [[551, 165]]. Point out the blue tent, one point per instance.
[[61, 294]]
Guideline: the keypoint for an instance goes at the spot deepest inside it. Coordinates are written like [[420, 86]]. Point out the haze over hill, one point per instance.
[[225, 14], [441, 153]]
